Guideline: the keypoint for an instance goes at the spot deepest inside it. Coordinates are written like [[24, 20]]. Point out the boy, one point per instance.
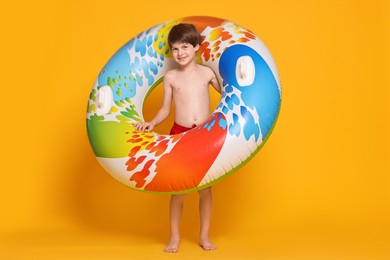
[[188, 86]]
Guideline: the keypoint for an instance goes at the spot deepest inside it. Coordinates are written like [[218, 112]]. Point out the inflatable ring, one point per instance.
[[235, 131]]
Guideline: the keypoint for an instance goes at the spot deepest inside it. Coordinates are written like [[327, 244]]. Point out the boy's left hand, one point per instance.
[[144, 126]]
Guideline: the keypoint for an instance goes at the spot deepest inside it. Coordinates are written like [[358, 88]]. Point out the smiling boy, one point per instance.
[[188, 86]]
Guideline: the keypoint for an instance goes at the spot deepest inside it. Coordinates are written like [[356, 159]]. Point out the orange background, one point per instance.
[[318, 189]]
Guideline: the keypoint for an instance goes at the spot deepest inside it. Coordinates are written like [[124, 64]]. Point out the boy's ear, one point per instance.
[[197, 47]]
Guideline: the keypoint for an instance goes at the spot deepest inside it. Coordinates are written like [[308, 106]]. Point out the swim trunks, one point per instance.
[[177, 129]]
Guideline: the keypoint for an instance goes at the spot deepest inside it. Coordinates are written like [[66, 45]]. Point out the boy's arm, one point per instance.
[[163, 112], [214, 82]]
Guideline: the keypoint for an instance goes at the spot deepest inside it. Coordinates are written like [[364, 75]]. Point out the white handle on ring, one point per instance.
[[104, 100], [245, 71]]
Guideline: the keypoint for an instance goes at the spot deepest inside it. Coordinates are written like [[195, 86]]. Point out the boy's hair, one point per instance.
[[184, 33]]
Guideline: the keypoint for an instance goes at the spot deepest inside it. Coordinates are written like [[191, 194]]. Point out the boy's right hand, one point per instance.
[[144, 126]]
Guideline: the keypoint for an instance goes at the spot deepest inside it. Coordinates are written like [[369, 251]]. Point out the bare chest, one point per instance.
[[193, 83]]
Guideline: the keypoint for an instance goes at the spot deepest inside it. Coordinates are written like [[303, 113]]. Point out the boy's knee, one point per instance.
[[205, 192], [177, 197]]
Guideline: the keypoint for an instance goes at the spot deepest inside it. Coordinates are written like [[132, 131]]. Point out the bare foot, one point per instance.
[[172, 247], [206, 244]]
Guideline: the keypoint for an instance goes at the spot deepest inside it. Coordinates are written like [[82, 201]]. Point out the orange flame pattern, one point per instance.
[[210, 48]]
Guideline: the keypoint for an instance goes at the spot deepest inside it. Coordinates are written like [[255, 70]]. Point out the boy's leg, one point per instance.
[[205, 208], [175, 212]]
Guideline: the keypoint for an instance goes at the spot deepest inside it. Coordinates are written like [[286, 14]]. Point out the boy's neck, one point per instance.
[[189, 67]]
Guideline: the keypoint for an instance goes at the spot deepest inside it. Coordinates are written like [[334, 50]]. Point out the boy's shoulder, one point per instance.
[[204, 67], [207, 70], [171, 73]]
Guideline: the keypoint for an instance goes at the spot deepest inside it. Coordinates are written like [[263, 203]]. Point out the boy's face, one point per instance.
[[184, 53]]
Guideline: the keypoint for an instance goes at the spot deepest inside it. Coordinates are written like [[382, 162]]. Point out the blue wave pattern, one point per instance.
[[125, 73], [263, 95]]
